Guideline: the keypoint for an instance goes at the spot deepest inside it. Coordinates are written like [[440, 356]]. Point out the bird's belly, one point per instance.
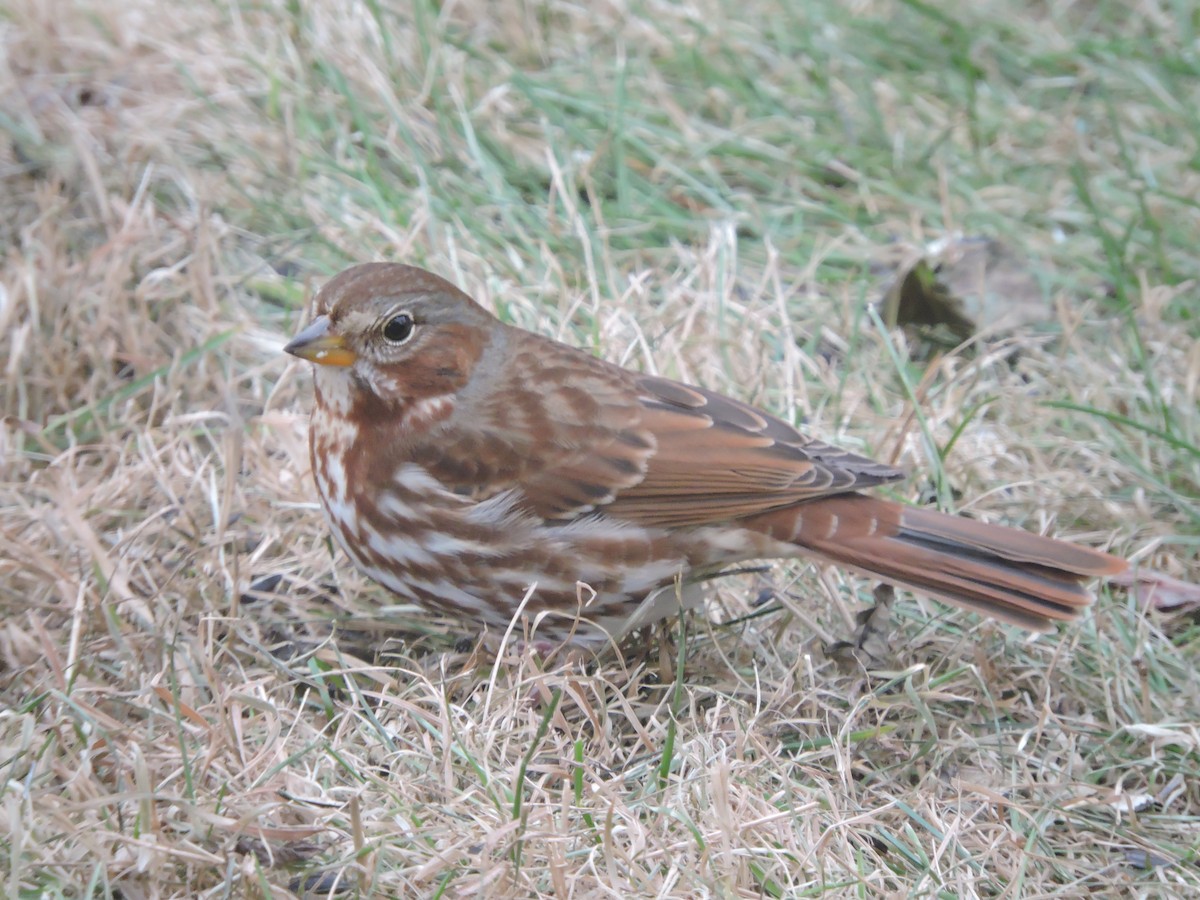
[[556, 582], [590, 579]]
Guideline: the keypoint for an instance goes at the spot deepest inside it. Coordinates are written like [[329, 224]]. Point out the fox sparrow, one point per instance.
[[483, 471]]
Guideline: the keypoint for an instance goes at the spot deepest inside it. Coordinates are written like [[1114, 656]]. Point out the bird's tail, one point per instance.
[[1011, 575]]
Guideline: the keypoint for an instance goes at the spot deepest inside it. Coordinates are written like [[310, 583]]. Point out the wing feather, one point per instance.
[[594, 437]]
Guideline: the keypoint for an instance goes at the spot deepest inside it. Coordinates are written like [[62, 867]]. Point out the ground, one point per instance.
[[200, 697]]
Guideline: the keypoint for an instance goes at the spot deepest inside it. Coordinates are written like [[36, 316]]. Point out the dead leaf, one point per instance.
[[999, 288], [1159, 591], [918, 297], [871, 646], [960, 286]]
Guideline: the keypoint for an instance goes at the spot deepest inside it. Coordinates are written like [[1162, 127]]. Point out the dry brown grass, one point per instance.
[[176, 179]]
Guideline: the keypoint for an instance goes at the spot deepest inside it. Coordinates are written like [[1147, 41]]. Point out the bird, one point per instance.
[[501, 478]]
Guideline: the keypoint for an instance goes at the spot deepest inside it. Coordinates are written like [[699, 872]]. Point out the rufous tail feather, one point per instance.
[[1011, 575]]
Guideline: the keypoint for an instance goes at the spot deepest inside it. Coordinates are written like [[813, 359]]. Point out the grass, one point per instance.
[[200, 697]]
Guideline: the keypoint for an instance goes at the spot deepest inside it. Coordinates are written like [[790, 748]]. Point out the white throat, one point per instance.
[[336, 387]]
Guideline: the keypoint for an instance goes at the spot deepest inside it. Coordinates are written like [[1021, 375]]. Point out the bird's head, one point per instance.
[[392, 335]]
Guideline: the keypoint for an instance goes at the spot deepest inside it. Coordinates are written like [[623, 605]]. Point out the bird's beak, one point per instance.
[[317, 345]]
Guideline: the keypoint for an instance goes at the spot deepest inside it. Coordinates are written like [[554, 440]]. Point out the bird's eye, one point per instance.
[[398, 328]]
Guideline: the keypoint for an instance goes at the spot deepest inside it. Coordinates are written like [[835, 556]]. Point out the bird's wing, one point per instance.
[[576, 435], [717, 458]]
